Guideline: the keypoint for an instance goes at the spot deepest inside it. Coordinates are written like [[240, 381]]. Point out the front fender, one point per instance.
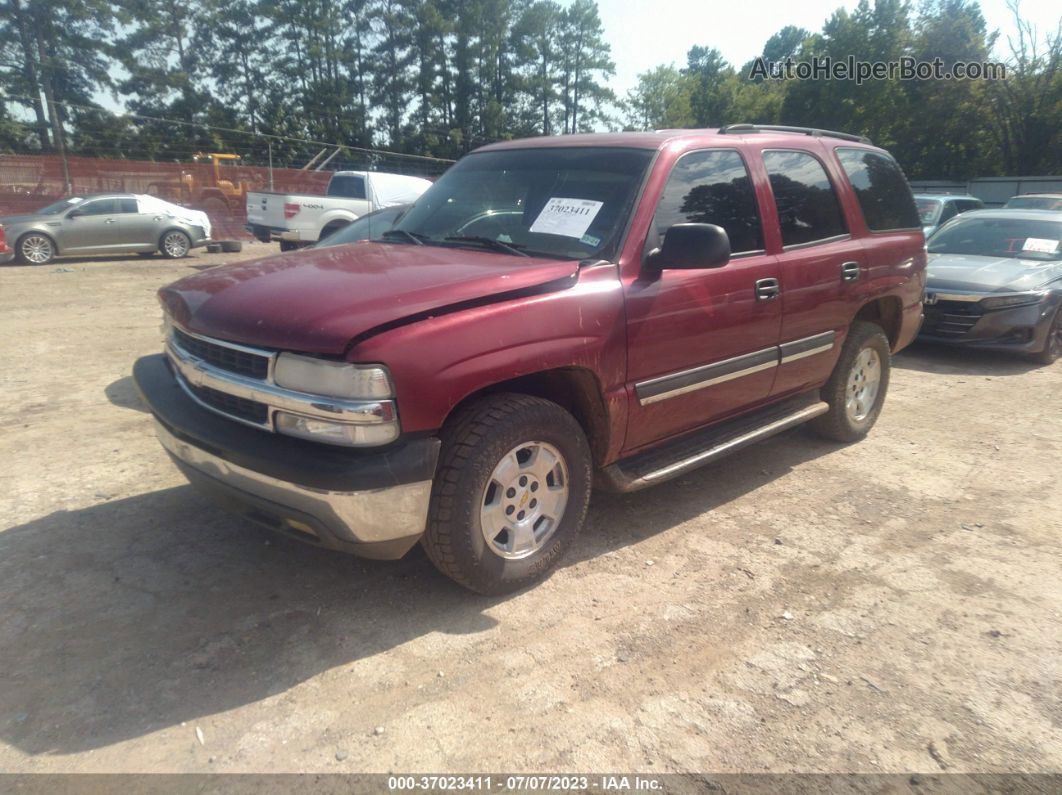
[[437, 362]]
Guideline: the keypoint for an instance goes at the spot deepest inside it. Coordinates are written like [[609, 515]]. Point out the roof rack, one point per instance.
[[739, 129]]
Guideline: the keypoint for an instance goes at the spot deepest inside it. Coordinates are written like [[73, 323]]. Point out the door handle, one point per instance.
[[767, 289], [850, 271]]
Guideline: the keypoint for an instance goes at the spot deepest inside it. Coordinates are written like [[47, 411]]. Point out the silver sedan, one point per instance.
[[111, 223]]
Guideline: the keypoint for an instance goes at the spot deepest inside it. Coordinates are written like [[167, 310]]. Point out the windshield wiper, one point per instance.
[[489, 242], [409, 236]]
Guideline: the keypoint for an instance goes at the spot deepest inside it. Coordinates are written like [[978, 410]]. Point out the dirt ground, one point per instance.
[[893, 605]]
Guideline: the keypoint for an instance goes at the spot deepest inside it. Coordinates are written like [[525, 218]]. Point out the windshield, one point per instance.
[[368, 227], [1000, 237], [59, 206], [566, 203], [928, 210], [1035, 203]]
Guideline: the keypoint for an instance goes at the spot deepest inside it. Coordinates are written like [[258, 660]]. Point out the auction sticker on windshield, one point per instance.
[[1040, 244], [567, 217]]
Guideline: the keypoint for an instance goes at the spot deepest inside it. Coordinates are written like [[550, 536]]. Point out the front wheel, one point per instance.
[[1053, 344], [175, 244], [36, 249], [856, 390], [510, 493]]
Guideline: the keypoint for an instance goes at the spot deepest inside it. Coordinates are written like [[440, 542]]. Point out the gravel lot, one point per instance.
[[894, 605]]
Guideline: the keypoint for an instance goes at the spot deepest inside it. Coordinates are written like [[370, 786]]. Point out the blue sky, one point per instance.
[[644, 34]]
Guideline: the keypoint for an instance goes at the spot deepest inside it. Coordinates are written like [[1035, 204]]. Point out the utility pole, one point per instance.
[[269, 141]]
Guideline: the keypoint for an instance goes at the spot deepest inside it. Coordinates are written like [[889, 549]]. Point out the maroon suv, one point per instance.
[[553, 313]]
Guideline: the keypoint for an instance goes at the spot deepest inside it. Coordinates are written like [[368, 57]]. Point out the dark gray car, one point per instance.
[[936, 210], [994, 280], [106, 223]]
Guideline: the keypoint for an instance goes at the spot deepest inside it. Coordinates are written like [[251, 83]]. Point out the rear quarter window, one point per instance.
[[882, 190]]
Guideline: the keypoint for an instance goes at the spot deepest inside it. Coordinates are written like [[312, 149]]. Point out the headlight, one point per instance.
[[1014, 299], [335, 432], [334, 379]]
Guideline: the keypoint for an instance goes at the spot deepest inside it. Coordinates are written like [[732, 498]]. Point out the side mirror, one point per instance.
[[74, 214], [691, 246]]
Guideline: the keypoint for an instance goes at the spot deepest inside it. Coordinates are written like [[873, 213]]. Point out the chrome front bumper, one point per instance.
[[386, 521], [372, 503]]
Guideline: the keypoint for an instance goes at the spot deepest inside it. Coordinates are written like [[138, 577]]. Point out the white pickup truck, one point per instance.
[[297, 219]]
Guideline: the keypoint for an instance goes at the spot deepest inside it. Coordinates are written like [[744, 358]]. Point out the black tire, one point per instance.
[[474, 442], [42, 253], [213, 248], [231, 246], [174, 244], [840, 423], [1053, 344], [288, 245]]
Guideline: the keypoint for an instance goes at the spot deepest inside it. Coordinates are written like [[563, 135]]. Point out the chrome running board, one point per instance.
[[703, 447]]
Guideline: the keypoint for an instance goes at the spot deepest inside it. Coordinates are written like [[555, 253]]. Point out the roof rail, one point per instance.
[[739, 129]]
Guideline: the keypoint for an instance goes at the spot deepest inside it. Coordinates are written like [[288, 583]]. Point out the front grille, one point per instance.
[[951, 318], [222, 356], [250, 410]]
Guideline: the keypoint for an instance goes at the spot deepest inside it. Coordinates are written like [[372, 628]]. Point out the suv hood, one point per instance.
[[975, 273], [317, 301]]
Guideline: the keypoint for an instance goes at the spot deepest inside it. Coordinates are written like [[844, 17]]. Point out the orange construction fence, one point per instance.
[[29, 182]]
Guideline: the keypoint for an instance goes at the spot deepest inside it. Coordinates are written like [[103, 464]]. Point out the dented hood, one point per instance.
[[318, 300]]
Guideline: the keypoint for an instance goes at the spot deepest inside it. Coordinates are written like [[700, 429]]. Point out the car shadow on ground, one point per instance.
[[134, 615], [123, 394], [925, 357]]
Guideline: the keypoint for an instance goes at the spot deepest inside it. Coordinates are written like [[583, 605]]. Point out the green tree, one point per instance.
[[586, 62], [660, 100], [54, 53], [709, 73]]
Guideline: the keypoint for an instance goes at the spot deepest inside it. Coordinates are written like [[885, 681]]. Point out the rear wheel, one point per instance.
[[856, 389], [510, 493], [1053, 345], [35, 249], [175, 244]]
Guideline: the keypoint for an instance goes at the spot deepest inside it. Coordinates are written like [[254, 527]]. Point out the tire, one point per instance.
[[35, 248], [1053, 344], [175, 244], [287, 245], [231, 246], [502, 451], [213, 248], [854, 405]]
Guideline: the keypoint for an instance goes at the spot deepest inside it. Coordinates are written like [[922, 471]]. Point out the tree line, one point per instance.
[[937, 129], [439, 77]]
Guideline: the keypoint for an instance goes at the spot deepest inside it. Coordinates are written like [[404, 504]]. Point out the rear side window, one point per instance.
[[347, 187], [808, 210], [128, 205], [712, 187], [881, 189], [99, 207]]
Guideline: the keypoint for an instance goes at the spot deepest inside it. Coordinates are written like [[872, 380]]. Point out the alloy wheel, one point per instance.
[[864, 381], [175, 244], [36, 249], [524, 500]]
